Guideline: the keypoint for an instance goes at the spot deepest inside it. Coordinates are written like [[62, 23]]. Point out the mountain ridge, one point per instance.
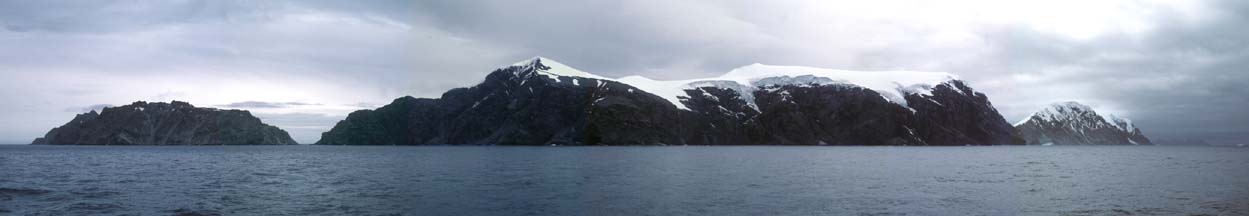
[[529, 104]]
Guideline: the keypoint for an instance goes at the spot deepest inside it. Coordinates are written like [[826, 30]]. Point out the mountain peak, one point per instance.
[[1071, 105], [1067, 110], [530, 61], [551, 68]]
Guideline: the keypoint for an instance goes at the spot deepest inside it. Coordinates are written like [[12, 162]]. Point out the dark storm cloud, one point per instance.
[[1177, 68]]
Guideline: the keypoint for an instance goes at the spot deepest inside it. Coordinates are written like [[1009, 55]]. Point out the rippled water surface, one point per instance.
[[335, 180]]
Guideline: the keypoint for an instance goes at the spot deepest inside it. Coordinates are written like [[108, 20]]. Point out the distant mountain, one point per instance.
[[543, 102], [174, 123], [1071, 123]]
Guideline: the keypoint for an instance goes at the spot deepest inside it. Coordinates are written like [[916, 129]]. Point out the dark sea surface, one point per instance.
[[337, 180]]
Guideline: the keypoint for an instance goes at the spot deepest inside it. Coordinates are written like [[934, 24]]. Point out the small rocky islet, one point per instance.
[[1072, 123], [158, 123]]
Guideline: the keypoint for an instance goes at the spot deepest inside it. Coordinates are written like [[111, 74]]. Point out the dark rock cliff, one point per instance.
[[517, 106], [955, 114], [175, 123], [844, 114], [524, 105]]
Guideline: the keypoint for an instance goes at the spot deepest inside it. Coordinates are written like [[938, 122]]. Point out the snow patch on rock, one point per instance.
[[892, 85], [1077, 113], [553, 69], [1124, 124]]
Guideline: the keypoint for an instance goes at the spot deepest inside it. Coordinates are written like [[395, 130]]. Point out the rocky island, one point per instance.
[[1072, 123], [174, 123], [543, 102]]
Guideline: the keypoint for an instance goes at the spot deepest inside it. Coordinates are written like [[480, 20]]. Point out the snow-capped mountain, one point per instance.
[[1072, 123], [892, 85], [540, 101]]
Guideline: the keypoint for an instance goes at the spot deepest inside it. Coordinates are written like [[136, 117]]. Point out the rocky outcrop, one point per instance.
[[542, 102], [174, 123], [1072, 123]]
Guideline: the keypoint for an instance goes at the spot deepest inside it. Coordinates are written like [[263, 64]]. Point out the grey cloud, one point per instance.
[[84, 109], [262, 104], [364, 105], [616, 38], [115, 16]]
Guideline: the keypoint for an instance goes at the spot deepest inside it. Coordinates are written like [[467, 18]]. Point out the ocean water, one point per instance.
[[337, 180]]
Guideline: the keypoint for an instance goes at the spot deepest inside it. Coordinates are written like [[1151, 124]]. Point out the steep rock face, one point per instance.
[[954, 114], [175, 123], [541, 102], [718, 117], [833, 114], [1071, 123], [815, 106], [532, 103]]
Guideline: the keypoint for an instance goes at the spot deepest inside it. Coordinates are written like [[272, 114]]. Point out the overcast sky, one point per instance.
[[1178, 68]]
